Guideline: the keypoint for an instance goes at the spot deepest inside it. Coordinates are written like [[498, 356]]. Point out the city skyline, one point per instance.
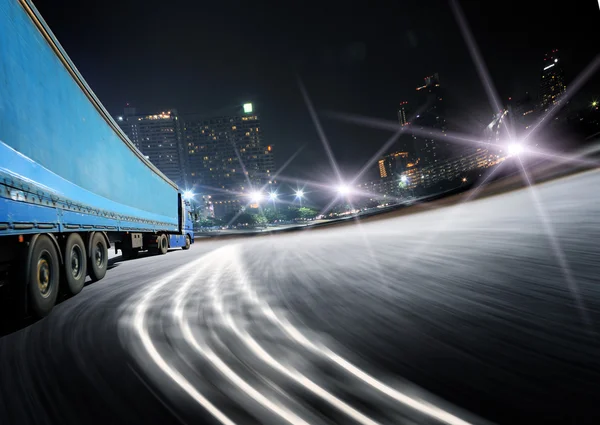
[[367, 65], [212, 148]]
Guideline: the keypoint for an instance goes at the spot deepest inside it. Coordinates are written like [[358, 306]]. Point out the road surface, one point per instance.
[[488, 312]]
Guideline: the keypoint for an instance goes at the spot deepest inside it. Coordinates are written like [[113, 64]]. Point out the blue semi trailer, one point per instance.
[[71, 182]]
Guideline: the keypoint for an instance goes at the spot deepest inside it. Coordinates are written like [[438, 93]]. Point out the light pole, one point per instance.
[[299, 195]]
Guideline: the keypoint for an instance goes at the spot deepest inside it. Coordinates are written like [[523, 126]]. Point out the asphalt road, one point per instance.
[[484, 312]]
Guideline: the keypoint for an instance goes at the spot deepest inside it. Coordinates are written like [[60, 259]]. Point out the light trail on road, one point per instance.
[[301, 328], [139, 323]]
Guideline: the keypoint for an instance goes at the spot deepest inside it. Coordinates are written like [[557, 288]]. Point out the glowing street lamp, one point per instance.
[[404, 179], [256, 197], [343, 190], [188, 194], [515, 149], [299, 194], [273, 196]]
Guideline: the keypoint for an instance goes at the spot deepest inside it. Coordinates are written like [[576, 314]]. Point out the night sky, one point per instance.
[[356, 57]]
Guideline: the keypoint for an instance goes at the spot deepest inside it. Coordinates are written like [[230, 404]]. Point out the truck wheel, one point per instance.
[[187, 243], [75, 265], [43, 272], [163, 244], [98, 257]]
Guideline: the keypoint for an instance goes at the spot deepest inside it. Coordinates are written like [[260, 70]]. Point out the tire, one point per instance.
[[75, 265], [43, 276], [98, 261], [187, 243], [163, 244]]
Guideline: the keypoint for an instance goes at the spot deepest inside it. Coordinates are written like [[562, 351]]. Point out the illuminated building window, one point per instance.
[[382, 171]]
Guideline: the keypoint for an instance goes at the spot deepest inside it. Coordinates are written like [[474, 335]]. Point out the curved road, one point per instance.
[[488, 312]]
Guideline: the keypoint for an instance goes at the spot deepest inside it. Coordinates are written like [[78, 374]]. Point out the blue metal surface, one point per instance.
[[28, 218], [176, 241], [68, 147], [188, 223], [23, 199]]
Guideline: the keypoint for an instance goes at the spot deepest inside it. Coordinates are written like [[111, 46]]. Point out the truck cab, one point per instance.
[[185, 237]]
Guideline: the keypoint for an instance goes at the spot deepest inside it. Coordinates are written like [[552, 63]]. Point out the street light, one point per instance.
[[515, 149], [343, 189], [256, 197], [273, 196], [188, 194], [403, 179], [299, 194]]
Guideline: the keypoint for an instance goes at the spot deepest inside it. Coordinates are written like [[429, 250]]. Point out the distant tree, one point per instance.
[[234, 218], [291, 213], [340, 208], [260, 220], [209, 222], [229, 217], [245, 218], [307, 213], [205, 222], [371, 203], [272, 215]]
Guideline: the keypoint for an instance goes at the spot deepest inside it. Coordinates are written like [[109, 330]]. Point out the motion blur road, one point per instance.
[[485, 312]]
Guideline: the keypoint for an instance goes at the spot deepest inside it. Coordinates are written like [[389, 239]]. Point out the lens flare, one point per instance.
[[515, 149]]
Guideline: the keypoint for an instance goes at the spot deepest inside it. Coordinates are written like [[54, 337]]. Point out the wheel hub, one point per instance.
[[99, 255], [43, 277], [75, 262]]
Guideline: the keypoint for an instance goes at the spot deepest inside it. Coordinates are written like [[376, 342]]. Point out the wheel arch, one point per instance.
[[54, 242]]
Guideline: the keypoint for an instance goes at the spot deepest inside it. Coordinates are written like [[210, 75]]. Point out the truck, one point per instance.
[[71, 183]]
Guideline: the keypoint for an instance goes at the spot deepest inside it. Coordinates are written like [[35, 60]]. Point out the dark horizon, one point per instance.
[[201, 59]]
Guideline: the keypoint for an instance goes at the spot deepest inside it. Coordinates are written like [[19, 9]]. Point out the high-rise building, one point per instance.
[[158, 137], [450, 169], [522, 112], [403, 114], [392, 165], [428, 150], [553, 80], [227, 156]]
